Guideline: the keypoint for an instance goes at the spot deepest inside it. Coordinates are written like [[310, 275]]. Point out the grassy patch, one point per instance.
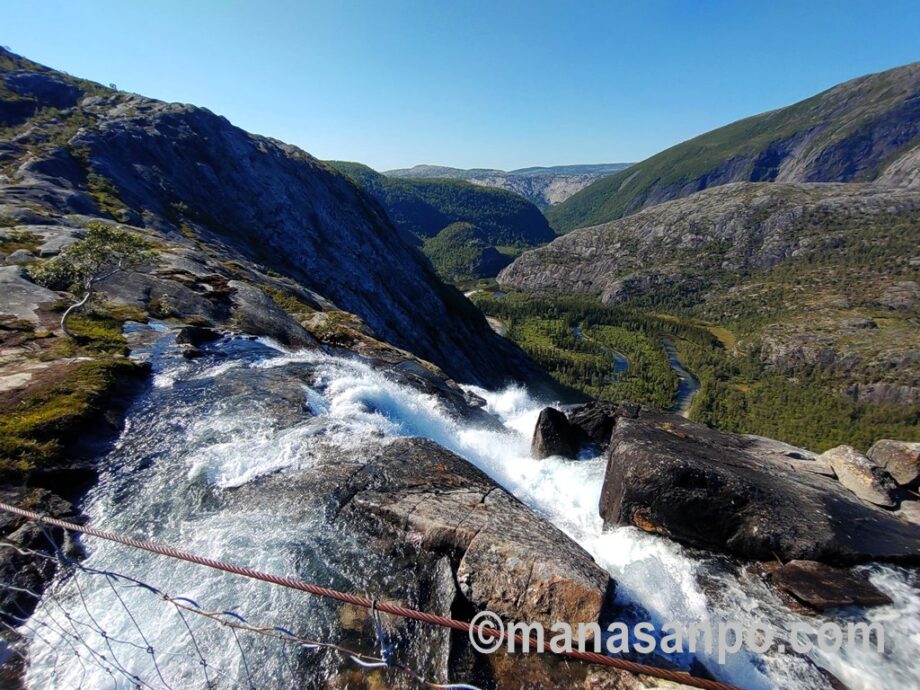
[[288, 302], [33, 433], [20, 239]]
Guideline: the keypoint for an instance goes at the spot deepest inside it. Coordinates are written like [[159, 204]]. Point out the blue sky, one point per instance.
[[500, 83]]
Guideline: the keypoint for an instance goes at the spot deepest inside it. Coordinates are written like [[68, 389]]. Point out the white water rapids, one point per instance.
[[198, 437]]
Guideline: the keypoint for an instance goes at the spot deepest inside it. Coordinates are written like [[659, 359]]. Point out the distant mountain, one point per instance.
[[544, 186], [425, 207], [861, 130]]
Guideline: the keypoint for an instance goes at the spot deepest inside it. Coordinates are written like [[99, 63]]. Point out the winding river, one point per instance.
[[187, 471], [688, 386]]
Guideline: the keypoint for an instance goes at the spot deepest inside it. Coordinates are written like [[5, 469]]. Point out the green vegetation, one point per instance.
[[756, 146], [461, 252], [19, 239], [288, 302], [36, 428], [808, 409], [34, 431], [105, 251], [738, 392], [427, 207], [545, 329]]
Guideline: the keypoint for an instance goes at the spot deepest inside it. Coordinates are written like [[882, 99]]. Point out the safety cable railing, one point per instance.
[[236, 621]]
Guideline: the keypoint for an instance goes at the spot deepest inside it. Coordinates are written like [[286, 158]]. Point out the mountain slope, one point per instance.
[[543, 186], [178, 172], [850, 132], [815, 288], [423, 208]]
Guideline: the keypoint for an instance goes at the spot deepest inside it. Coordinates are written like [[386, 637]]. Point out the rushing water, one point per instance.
[[209, 430]]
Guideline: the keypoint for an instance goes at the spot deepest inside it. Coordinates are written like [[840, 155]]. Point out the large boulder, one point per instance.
[[862, 476], [553, 435], [900, 458], [595, 420], [823, 587], [410, 522], [713, 490]]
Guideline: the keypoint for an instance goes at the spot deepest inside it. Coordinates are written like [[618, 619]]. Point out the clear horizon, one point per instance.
[[471, 85]]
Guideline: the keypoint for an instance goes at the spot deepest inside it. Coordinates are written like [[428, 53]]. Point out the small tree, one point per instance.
[[79, 268]]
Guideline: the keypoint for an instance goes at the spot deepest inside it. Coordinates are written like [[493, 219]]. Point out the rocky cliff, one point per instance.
[[185, 175]]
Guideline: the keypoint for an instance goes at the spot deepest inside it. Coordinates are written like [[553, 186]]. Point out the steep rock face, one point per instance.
[[735, 228], [177, 169], [849, 133]]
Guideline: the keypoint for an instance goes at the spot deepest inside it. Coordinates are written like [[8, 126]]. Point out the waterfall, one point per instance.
[[208, 428]]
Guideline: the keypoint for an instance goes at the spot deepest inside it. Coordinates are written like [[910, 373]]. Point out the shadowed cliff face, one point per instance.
[[69, 146]]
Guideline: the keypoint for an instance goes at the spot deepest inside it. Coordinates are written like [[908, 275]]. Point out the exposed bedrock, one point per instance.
[[742, 495]]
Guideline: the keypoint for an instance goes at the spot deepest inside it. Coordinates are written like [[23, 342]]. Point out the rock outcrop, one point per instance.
[[901, 459], [440, 535], [715, 491], [737, 227], [822, 586], [178, 172], [863, 477], [553, 435]]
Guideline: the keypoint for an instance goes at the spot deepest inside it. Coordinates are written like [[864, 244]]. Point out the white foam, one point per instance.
[[226, 446]]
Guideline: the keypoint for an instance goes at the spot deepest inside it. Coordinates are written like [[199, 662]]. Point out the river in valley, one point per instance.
[[186, 472], [687, 386]]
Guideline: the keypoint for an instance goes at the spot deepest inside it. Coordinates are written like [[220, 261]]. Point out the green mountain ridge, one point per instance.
[[849, 133], [423, 208]]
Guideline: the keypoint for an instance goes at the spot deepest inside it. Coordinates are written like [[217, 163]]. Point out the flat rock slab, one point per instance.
[[712, 490], [21, 297], [823, 587]]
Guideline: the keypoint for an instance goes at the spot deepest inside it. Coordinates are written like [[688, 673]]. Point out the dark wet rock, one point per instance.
[[429, 379], [192, 352], [26, 570], [595, 420], [165, 298], [196, 335], [863, 477], [900, 458], [713, 490], [821, 586], [256, 313], [553, 435], [859, 323]]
